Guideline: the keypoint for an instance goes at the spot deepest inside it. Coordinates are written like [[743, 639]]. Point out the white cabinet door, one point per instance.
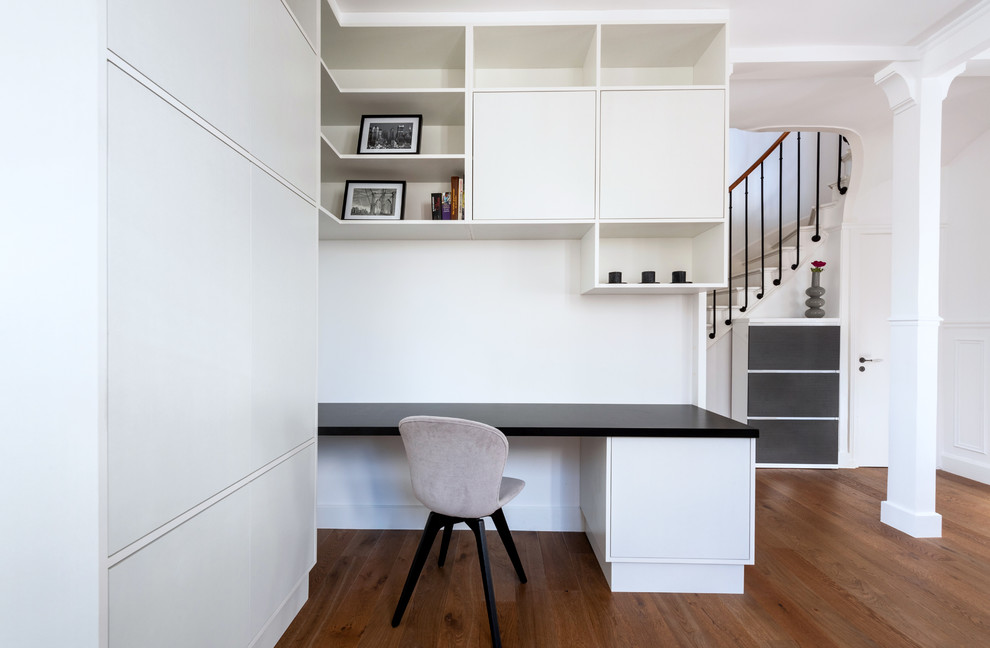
[[534, 155], [663, 154], [681, 499]]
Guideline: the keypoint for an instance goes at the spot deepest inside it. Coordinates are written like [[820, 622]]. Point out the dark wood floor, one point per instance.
[[827, 573]]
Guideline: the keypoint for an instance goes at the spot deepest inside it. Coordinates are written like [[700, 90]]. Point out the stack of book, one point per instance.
[[449, 205]]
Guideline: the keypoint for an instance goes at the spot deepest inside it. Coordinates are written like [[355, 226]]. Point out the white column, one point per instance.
[[916, 101]]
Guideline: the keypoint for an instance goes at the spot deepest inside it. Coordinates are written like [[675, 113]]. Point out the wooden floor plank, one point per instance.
[[827, 573]]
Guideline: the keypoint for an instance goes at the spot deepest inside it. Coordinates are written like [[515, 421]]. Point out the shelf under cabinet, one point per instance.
[[333, 228]]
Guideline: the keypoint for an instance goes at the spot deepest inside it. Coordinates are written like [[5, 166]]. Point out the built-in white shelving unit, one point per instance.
[[390, 71], [611, 134]]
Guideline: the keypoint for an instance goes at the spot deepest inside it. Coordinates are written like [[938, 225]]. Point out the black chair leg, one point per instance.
[[433, 524], [510, 547], [444, 543], [478, 527]]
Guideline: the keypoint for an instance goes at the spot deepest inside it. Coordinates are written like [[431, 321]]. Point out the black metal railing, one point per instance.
[[744, 180]]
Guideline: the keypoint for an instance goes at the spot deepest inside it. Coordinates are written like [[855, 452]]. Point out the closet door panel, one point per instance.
[[190, 587], [283, 533], [284, 96], [197, 51], [284, 315], [179, 312]]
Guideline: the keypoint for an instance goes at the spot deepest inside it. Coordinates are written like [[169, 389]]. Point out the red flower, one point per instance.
[[818, 266]]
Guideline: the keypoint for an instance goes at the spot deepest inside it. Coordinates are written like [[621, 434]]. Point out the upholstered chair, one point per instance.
[[456, 468]]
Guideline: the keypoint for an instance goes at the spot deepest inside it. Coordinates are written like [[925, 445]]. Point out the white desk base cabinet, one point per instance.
[[672, 514]]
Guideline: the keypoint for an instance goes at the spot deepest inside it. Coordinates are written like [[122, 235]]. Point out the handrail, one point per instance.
[[759, 160]]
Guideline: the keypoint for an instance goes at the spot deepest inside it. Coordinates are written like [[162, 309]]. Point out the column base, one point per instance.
[[917, 525]]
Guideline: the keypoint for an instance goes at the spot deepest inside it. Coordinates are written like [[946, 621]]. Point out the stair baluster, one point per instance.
[[745, 249], [728, 320], [763, 241], [838, 178], [818, 189], [797, 209], [711, 336], [780, 219]]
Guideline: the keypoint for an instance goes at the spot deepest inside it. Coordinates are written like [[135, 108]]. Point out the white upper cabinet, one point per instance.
[[614, 134], [534, 155], [663, 154]]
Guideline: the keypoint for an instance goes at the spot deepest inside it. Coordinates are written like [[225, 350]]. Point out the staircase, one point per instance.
[[766, 266]]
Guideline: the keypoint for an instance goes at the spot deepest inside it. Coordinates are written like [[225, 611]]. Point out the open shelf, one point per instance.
[[663, 55], [543, 56], [333, 228], [338, 167], [696, 247], [393, 57]]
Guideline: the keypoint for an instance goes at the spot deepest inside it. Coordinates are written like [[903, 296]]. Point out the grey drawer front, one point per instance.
[[797, 442], [793, 394], [794, 347]]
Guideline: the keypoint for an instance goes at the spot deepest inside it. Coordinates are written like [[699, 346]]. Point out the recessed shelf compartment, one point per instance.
[[393, 57], [696, 247], [442, 110], [548, 56], [663, 55]]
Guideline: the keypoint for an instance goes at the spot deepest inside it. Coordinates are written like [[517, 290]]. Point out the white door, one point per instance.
[[869, 346]]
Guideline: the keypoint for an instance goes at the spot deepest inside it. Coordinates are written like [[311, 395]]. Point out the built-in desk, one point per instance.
[[667, 491]]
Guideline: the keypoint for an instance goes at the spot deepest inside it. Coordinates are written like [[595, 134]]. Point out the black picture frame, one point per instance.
[[390, 134], [374, 200]]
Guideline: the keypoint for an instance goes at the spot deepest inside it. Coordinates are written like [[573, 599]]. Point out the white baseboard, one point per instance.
[[520, 518], [283, 616], [976, 470], [917, 525]]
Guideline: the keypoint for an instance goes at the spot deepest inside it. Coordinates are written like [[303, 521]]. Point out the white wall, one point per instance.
[[964, 348], [51, 375], [493, 321]]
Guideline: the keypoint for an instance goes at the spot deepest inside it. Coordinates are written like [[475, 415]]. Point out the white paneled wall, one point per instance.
[[211, 251], [964, 391], [152, 598], [179, 312], [243, 66]]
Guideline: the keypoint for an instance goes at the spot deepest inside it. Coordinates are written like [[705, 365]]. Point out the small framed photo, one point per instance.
[[374, 200], [390, 134]]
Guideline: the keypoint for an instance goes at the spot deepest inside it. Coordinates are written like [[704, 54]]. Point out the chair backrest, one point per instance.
[[456, 465]]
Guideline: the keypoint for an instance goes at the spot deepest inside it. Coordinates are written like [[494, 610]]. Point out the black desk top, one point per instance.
[[538, 419]]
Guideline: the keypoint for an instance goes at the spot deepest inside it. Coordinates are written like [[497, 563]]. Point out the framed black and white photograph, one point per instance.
[[374, 200], [390, 134]]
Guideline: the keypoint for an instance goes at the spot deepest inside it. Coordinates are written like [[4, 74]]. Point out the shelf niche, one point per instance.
[[393, 57], [698, 248], [544, 56], [663, 55]]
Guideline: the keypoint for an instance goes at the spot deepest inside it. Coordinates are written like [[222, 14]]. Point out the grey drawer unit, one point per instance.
[[786, 383]]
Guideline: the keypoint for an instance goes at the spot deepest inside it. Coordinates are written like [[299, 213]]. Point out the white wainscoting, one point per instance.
[[964, 415]]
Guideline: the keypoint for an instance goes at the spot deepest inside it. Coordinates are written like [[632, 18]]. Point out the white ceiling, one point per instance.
[[754, 23]]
